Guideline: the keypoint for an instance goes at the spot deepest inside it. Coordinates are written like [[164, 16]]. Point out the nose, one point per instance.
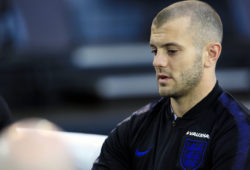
[[160, 60]]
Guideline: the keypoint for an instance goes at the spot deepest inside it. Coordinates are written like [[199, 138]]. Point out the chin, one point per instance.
[[169, 92], [165, 93]]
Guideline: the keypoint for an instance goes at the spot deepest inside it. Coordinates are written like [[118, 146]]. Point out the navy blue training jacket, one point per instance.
[[213, 135]]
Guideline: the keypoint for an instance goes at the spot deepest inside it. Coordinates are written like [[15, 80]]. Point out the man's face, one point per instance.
[[178, 64]]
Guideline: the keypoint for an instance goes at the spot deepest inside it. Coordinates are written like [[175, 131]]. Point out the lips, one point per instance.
[[163, 78]]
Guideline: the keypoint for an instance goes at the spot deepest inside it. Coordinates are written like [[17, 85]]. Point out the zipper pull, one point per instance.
[[173, 123]]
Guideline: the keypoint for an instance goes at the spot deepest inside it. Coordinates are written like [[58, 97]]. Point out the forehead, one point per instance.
[[172, 31]]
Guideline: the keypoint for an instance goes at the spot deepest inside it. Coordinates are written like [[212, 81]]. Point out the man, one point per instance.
[[196, 124]]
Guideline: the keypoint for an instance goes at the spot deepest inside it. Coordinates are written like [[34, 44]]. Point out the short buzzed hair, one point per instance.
[[205, 24]]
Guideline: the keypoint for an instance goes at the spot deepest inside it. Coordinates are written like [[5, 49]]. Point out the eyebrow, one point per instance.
[[168, 44]]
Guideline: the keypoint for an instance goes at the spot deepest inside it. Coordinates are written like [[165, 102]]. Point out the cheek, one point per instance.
[[181, 70], [184, 61], [178, 67]]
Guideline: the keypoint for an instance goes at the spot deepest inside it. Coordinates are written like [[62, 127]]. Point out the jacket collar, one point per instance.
[[204, 104]]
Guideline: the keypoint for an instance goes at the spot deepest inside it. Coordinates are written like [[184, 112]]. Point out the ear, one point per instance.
[[213, 51]]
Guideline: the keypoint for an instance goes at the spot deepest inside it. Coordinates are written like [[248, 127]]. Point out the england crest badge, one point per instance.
[[192, 154]]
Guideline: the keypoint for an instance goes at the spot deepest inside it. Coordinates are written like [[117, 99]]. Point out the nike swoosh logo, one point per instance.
[[138, 153]]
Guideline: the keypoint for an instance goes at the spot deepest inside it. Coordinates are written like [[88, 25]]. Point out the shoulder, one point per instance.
[[139, 118], [231, 114], [235, 115], [231, 107], [144, 112], [231, 130]]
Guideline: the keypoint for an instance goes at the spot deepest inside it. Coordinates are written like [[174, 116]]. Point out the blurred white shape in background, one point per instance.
[[112, 55], [39, 144], [85, 148]]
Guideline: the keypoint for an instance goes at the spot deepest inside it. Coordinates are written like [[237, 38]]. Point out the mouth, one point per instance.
[[163, 78]]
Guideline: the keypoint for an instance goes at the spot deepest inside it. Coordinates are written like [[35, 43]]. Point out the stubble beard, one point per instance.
[[186, 82]]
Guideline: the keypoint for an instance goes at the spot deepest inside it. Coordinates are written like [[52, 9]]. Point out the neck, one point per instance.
[[183, 104]]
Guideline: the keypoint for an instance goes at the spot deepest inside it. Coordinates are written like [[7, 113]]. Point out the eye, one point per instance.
[[172, 52], [154, 51]]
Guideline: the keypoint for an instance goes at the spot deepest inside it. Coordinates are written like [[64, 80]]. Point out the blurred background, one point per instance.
[[86, 64]]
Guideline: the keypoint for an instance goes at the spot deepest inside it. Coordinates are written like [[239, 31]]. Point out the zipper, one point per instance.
[[173, 123]]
